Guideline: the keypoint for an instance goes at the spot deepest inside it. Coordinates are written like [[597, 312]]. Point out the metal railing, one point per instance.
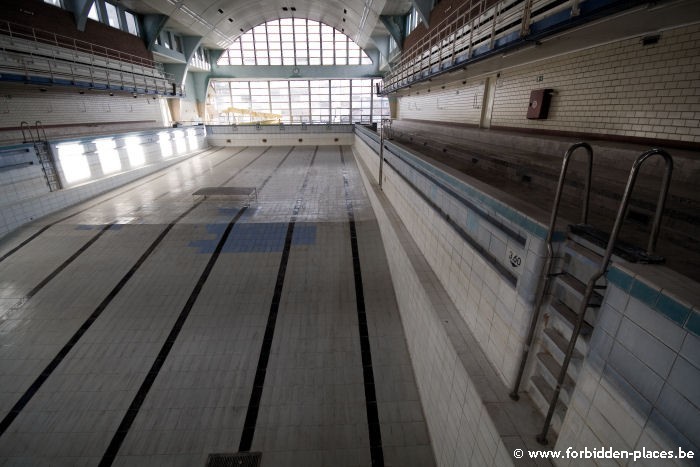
[[546, 270], [471, 29], [591, 285], [32, 52], [39, 35]]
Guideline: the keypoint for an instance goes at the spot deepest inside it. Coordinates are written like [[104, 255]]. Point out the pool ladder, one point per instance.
[[590, 298], [43, 152]]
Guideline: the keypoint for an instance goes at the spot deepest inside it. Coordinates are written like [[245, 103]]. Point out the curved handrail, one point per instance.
[[542, 437], [546, 270], [24, 126], [40, 126]]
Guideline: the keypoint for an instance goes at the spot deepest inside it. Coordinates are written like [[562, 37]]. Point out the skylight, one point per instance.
[[294, 41]]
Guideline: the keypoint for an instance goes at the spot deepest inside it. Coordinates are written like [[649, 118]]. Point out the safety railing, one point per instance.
[[39, 35], [546, 271], [31, 66], [470, 30], [591, 285]]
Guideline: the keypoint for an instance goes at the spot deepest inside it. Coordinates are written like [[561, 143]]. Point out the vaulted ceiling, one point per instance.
[[220, 22]]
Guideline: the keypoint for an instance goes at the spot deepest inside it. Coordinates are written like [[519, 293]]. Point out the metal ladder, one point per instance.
[[547, 269], [590, 292], [591, 285], [43, 152]]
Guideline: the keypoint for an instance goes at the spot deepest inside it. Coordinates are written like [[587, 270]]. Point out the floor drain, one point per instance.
[[240, 459]]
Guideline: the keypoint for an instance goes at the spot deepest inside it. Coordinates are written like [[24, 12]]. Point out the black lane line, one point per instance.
[[56, 271], [48, 226], [375, 434], [41, 379], [133, 410], [251, 416], [46, 373]]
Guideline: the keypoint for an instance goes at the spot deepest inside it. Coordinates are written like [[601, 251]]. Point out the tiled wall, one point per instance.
[[622, 88], [61, 107], [462, 433], [280, 135], [457, 103], [469, 238], [639, 385], [136, 155], [21, 175]]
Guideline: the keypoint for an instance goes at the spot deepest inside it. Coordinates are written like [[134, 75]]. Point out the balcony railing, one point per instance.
[[478, 27]]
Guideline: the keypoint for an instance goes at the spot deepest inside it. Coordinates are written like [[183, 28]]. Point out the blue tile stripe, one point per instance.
[[462, 190], [657, 300], [681, 314], [508, 276]]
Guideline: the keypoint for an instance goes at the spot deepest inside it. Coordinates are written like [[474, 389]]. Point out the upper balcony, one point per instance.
[[36, 56]]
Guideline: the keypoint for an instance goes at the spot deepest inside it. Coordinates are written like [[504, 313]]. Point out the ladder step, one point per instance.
[[543, 396], [571, 317], [586, 254], [579, 289], [552, 368], [560, 346]]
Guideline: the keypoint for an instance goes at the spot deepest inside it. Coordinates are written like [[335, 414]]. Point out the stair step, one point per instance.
[[578, 288], [585, 254], [542, 396], [550, 373], [570, 316], [558, 348], [597, 240]]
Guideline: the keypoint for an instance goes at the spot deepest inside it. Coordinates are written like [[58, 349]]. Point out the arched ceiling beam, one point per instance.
[[80, 9], [152, 26], [396, 27]]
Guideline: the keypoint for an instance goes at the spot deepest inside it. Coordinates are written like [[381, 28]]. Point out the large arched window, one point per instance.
[[294, 41]]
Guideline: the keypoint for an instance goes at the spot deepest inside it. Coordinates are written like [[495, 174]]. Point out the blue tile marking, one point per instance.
[[658, 301], [255, 237], [84, 227]]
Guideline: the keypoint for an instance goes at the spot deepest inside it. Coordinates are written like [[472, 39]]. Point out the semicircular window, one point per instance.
[[294, 41]]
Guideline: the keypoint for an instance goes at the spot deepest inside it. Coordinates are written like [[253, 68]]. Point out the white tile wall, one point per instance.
[[58, 106], [462, 432], [621, 88], [640, 391], [16, 211], [274, 139], [457, 103]]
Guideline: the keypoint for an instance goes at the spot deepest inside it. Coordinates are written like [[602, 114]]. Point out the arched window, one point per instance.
[[294, 41]]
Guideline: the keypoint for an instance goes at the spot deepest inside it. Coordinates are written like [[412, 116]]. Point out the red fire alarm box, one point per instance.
[[539, 104]]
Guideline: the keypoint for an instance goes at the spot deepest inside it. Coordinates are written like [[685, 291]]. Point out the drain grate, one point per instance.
[[239, 459]]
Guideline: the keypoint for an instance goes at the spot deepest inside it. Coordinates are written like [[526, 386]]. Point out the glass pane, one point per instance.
[[93, 13], [112, 15], [131, 26]]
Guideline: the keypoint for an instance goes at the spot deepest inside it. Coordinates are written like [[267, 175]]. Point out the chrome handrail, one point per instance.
[[546, 270], [542, 437], [40, 126], [24, 126]]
